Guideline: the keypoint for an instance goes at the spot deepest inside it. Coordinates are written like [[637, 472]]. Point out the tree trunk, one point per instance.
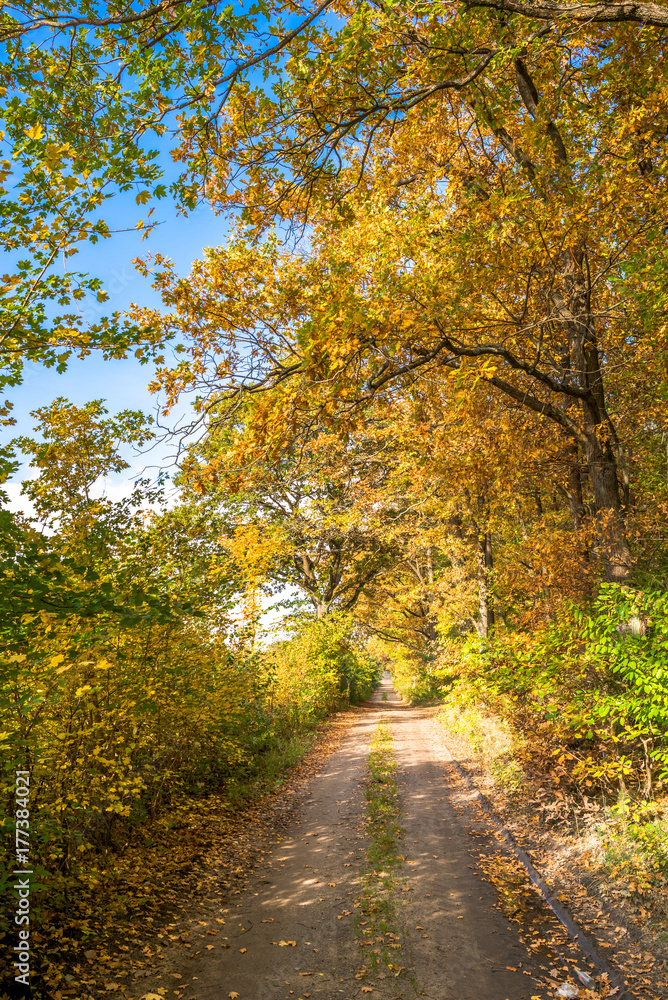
[[485, 563], [614, 548], [599, 437], [574, 493], [539, 502]]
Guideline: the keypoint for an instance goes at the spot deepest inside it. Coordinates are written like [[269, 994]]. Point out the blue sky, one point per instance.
[[123, 383]]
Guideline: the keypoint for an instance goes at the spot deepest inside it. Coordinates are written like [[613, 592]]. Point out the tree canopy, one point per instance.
[[427, 366]]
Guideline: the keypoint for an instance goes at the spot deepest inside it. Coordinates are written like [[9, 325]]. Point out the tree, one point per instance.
[[87, 93], [85, 89], [496, 233], [80, 447], [580, 13], [311, 518]]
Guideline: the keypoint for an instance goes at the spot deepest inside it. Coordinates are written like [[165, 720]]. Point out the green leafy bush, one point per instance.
[[590, 691], [321, 664]]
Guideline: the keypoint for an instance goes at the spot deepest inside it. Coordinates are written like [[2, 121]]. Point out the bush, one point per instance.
[[420, 678], [589, 692], [307, 675]]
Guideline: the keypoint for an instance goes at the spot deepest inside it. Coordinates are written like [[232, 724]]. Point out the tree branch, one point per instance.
[[580, 13]]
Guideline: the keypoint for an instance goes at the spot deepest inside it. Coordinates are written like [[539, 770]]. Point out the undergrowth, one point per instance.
[[117, 792], [634, 840], [130, 892], [268, 770]]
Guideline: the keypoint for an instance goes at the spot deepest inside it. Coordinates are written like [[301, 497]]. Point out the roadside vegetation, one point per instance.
[[136, 696], [568, 720], [598, 828], [378, 920]]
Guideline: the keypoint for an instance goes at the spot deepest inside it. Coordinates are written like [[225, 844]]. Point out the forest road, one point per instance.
[[292, 934]]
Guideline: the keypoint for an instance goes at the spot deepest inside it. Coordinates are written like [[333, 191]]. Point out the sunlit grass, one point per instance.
[[378, 922]]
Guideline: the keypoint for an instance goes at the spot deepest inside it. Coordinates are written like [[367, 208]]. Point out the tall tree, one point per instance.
[[505, 174], [493, 232], [310, 518]]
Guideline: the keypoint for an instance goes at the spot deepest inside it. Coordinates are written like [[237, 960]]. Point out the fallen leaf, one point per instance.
[[209, 947], [242, 951], [269, 920], [511, 968], [367, 989], [233, 995]]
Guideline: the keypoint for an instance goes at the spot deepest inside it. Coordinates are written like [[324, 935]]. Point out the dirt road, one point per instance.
[[293, 933]]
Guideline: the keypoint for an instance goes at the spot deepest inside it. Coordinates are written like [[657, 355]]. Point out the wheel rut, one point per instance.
[[293, 935]]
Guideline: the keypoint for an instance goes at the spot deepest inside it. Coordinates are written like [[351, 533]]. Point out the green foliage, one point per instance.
[[84, 558], [422, 678], [589, 691], [307, 675], [627, 636], [80, 446], [85, 93]]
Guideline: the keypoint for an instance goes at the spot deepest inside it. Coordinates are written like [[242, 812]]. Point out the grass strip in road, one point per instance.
[[377, 922], [384, 830]]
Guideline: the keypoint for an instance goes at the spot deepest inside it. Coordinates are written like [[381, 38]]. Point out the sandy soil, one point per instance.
[[292, 933]]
